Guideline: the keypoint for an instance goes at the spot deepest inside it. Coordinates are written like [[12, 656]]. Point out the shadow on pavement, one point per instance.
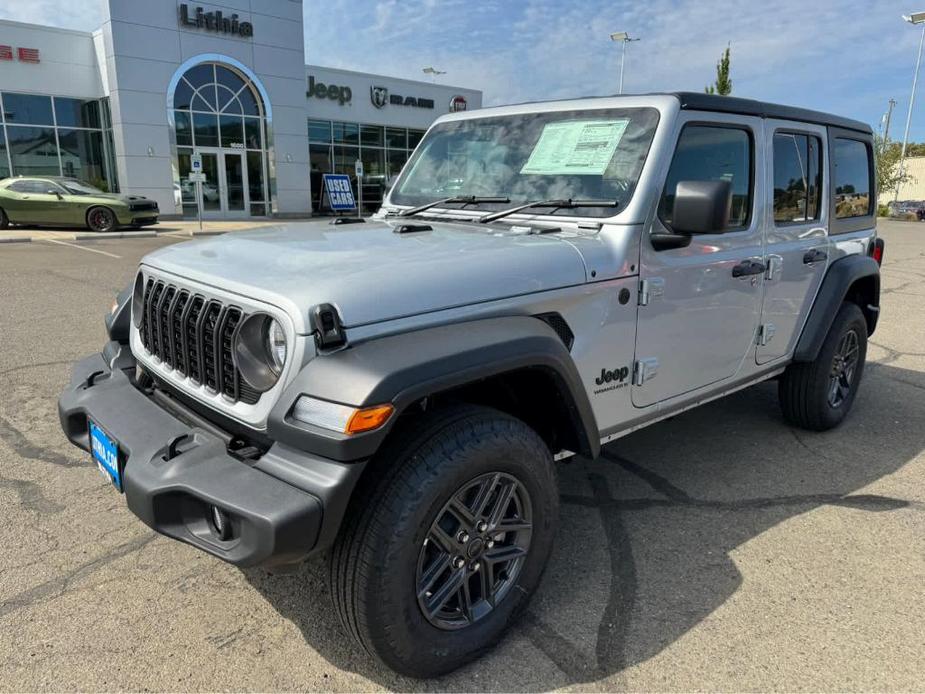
[[646, 532]]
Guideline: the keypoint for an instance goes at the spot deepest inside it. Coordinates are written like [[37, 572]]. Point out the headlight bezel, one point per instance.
[[138, 300], [254, 354]]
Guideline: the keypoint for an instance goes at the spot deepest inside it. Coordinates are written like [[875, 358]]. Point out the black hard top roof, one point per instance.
[[696, 101], [699, 101]]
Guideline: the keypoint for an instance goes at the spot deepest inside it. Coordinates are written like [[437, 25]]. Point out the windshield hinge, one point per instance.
[[650, 289]]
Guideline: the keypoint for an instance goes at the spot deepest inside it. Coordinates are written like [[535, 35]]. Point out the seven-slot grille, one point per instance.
[[193, 335]]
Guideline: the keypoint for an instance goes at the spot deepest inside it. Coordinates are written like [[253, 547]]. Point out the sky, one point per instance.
[[845, 56]]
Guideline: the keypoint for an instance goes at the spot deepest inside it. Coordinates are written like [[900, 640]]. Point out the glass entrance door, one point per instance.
[[225, 191], [211, 197], [234, 189]]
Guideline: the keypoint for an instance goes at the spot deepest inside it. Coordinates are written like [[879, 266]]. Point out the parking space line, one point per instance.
[[82, 248]]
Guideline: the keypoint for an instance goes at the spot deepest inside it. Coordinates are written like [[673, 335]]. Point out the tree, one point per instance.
[[723, 84], [886, 155]]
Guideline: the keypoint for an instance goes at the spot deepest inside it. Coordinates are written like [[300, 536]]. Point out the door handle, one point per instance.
[[748, 267], [814, 256]]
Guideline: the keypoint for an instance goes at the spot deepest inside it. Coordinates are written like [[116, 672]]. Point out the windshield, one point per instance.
[[578, 155], [80, 188]]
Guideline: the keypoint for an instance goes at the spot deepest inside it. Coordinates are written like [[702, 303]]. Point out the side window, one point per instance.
[[852, 178], [712, 153], [20, 186], [797, 178]]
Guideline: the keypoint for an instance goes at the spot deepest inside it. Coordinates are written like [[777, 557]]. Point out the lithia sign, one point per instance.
[[214, 21]]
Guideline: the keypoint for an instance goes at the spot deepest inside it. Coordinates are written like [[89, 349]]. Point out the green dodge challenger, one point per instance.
[[61, 201]]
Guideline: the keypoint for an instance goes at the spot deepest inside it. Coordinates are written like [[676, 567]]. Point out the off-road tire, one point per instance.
[[101, 219], [805, 388], [4, 220], [374, 564]]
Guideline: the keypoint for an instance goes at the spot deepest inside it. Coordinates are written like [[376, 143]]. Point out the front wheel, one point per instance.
[[447, 541], [818, 395], [101, 219]]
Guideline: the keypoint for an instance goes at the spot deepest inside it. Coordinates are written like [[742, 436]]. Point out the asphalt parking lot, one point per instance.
[[720, 550]]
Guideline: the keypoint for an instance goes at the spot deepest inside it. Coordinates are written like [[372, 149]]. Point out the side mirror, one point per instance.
[[702, 207], [56, 193]]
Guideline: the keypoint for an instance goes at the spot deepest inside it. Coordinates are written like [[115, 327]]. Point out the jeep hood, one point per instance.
[[369, 272]]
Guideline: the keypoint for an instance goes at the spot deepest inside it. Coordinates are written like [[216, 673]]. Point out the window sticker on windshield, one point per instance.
[[582, 147]]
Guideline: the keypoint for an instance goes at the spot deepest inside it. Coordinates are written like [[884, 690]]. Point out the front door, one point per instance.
[[797, 240], [698, 319], [234, 188], [225, 192]]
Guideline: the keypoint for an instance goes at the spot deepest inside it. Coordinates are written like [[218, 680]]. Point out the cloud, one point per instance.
[[846, 56]]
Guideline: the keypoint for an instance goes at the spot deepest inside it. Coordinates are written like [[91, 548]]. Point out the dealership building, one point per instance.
[[126, 106]]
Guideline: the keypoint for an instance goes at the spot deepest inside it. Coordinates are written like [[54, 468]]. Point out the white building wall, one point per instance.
[[145, 45], [133, 56], [360, 108], [67, 64]]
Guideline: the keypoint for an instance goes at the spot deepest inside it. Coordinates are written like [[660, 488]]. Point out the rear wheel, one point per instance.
[[4, 220], [818, 395], [101, 219], [447, 541]]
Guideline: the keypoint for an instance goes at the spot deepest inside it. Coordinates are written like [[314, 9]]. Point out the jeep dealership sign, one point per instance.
[[334, 92]]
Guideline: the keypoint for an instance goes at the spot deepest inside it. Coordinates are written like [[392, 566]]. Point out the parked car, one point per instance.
[[907, 209], [62, 201], [541, 280]]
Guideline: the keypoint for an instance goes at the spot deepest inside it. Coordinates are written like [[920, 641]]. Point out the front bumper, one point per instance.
[[283, 506]]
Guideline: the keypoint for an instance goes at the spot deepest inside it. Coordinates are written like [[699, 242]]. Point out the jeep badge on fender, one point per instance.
[[520, 254]]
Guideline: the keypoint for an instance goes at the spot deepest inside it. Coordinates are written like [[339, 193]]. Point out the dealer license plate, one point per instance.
[[105, 454]]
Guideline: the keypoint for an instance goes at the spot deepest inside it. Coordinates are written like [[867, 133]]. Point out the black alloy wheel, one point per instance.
[[474, 551], [445, 539], [101, 219], [819, 394], [844, 366]]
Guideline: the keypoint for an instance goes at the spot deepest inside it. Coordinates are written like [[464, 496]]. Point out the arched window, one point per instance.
[[216, 107], [217, 110]]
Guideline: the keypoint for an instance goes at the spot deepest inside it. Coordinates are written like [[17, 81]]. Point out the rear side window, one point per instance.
[[28, 187], [852, 178], [712, 153], [797, 178]]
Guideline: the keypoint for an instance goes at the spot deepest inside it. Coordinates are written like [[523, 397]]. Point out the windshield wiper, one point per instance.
[[556, 204], [465, 199]]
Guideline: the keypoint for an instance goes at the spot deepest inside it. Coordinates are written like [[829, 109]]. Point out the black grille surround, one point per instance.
[[193, 335]]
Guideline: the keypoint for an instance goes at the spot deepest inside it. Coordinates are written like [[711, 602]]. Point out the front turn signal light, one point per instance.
[[343, 419], [369, 418]]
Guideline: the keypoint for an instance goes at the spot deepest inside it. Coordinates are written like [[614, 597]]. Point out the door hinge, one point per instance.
[[765, 333], [644, 370], [650, 289]]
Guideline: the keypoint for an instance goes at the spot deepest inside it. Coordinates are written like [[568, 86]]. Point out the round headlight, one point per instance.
[[260, 351], [276, 345], [138, 300]]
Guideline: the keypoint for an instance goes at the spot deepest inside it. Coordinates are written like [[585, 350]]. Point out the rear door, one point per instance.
[[697, 319], [797, 238]]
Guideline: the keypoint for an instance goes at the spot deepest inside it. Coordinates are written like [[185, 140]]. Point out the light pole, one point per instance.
[[887, 117], [917, 18], [433, 72], [623, 38]]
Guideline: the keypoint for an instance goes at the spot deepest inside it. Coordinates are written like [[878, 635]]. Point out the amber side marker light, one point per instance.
[[368, 419], [343, 419]]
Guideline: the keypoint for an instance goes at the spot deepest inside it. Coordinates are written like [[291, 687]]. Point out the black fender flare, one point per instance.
[[405, 368], [839, 278]]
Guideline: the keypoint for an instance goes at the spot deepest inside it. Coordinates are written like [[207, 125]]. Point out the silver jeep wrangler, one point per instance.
[[541, 280]]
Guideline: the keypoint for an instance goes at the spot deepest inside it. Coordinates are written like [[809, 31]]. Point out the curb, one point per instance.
[[93, 236], [15, 239]]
